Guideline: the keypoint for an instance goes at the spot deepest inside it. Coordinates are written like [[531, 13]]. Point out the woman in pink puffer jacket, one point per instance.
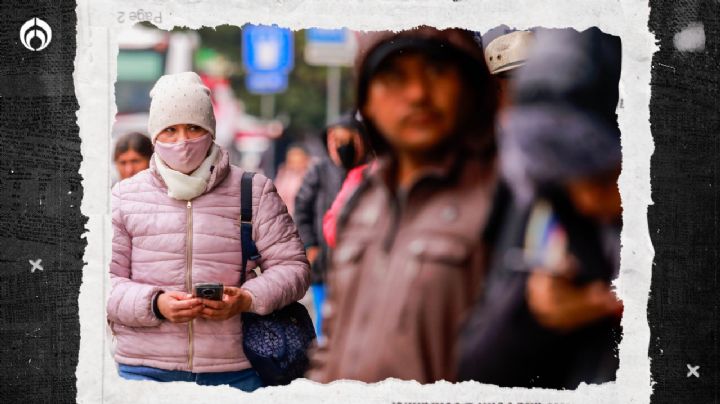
[[177, 224]]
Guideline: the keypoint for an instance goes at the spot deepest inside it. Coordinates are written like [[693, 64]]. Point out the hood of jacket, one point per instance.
[[461, 46]]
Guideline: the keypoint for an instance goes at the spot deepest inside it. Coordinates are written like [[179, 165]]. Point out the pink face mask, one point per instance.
[[184, 156]]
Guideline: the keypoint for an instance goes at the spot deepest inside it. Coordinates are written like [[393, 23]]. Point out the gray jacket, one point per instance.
[[320, 186]]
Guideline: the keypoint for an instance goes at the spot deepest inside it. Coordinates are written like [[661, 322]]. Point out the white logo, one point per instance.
[[268, 52], [35, 34]]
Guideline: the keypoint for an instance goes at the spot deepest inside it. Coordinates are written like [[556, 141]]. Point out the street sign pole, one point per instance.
[[267, 54], [267, 106], [267, 112], [332, 110], [332, 48]]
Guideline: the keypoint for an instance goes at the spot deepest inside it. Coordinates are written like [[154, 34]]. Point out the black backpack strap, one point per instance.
[[249, 249], [502, 204]]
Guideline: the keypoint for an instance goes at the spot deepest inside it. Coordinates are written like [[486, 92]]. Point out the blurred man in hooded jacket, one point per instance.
[[409, 259]]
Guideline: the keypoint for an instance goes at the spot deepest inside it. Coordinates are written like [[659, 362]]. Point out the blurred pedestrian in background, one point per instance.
[[548, 317], [352, 181], [409, 260], [290, 175], [132, 154], [504, 55], [345, 146], [177, 225]]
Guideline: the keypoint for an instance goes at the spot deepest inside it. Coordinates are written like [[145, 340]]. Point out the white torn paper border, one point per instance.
[[95, 72]]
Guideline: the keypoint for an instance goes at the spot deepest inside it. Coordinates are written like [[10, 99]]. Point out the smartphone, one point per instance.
[[210, 291], [555, 229], [546, 239]]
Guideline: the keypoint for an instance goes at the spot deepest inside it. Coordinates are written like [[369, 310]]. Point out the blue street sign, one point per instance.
[[325, 35], [267, 49], [266, 83]]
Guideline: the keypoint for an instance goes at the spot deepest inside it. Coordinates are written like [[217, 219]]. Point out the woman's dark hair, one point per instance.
[[134, 141]]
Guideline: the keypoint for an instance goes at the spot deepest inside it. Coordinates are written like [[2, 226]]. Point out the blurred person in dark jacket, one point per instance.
[[346, 149], [548, 317], [410, 260]]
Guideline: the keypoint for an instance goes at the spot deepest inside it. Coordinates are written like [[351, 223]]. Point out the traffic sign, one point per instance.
[[267, 49], [266, 83], [325, 35], [330, 47]]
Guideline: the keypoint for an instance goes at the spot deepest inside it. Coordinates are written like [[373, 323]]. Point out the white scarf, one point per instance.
[[185, 187]]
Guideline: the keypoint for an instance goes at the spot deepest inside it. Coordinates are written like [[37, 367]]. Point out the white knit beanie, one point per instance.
[[180, 98]]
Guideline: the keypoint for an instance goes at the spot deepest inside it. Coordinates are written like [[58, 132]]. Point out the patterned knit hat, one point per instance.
[[180, 98]]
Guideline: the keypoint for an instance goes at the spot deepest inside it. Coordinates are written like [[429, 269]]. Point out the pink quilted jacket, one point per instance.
[[160, 243]]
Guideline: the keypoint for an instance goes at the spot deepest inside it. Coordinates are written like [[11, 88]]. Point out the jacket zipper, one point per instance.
[[188, 279]]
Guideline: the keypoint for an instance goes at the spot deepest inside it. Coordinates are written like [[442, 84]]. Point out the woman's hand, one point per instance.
[[178, 307], [234, 301]]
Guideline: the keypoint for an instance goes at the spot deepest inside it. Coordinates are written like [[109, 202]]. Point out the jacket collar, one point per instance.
[[444, 170], [219, 171]]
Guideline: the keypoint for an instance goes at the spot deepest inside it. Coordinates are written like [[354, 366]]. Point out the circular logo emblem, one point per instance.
[[35, 34]]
